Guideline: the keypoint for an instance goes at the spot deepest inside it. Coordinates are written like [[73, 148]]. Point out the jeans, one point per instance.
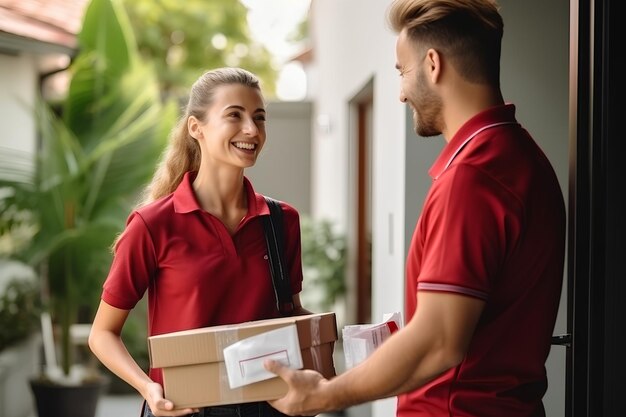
[[256, 409]]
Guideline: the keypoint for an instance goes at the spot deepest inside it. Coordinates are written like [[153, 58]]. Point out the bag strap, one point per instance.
[[275, 240]]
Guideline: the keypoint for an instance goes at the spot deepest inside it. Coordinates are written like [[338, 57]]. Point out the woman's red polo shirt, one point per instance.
[[195, 272]]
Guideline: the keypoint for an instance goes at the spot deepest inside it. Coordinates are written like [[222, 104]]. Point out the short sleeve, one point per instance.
[[134, 265], [470, 226]]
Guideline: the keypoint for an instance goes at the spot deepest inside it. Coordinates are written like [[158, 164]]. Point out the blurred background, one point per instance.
[[90, 89]]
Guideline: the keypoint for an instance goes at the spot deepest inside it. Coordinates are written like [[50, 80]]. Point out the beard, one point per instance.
[[427, 107]]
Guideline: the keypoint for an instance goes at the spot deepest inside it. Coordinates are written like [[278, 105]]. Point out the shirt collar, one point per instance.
[[494, 116], [185, 198]]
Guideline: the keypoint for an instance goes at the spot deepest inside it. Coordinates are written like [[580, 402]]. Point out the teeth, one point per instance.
[[244, 145]]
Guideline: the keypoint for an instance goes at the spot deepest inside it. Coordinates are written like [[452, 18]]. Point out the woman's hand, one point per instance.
[[161, 406]]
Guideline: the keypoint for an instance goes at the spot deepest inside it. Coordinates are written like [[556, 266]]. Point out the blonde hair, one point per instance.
[[183, 152], [469, 32]]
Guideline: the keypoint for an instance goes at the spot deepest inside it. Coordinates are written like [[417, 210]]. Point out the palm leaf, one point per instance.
[[94, 160]]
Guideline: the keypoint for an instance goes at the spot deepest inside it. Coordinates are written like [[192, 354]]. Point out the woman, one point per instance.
[[196, 243]]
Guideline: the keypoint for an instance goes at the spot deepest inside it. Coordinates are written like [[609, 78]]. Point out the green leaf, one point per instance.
[[94, 160]]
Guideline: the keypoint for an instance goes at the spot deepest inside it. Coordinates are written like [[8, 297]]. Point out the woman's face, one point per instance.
[[233, 131]]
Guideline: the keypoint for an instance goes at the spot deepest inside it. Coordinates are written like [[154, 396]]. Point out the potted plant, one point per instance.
[[20, 306], [323, 264], [96, 154]]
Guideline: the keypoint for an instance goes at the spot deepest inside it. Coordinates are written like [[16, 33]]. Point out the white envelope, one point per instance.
[[244, 359]]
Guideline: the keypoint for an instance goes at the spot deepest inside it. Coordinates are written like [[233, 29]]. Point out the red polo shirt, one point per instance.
[[195, 272], [492, 227]]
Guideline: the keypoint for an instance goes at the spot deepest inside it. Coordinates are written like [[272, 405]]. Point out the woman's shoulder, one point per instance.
[[285, 206], [156, 210]]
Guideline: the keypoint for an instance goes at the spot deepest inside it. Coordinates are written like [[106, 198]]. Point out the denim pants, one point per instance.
[[255, 409]]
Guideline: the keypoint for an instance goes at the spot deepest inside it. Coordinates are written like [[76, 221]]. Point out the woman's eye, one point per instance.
[[234, 115], [260, 118]]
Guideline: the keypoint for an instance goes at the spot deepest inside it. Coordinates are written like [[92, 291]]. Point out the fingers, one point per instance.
[[163, 407], [164, 404], [167, 409], [277, 368]]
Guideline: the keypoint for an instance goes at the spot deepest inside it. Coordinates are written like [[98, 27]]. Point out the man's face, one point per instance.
[[415, 88]]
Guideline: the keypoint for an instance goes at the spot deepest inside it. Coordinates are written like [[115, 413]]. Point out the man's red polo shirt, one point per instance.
[[492, 227], [195, 272]]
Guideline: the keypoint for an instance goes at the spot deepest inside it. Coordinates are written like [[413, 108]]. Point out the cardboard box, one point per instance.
[[192, 361]]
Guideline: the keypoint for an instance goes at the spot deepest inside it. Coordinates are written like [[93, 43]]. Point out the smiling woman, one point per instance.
[[236, 119], [196, 242]]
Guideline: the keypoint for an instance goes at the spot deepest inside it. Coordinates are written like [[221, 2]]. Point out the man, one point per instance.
[[485, 266]]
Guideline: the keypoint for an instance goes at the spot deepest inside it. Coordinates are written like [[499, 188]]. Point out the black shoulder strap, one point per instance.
[[275, 239]]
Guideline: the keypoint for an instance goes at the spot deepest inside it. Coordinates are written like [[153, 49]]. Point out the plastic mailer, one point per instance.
[[360, 340], [244, 359]]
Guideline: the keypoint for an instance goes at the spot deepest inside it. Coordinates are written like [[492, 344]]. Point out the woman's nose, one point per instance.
[[250, 128]]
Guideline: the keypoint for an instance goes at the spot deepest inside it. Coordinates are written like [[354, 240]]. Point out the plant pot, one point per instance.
[[18, 364], [53, 400]]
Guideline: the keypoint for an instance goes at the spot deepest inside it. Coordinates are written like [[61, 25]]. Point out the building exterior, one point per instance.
[[37, 40]]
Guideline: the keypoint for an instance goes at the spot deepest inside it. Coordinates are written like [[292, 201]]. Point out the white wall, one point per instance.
[[18, 83], [283, 170], [352, 45]]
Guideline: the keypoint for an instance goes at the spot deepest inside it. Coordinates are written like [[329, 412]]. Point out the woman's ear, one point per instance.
[[193, 126]]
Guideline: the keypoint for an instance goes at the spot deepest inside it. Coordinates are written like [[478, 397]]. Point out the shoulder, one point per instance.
[[290, 213], [156, 211], [288, 209]]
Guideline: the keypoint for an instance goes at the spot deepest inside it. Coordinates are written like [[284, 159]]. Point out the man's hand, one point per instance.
[[306, 395]]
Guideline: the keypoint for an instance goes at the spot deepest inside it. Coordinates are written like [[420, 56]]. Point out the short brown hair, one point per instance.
[[468, 32]]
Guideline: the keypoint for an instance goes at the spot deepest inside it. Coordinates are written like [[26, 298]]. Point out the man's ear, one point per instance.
[[433, 65], [193, 126]]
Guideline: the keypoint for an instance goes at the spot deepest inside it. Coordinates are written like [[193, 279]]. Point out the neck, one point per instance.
[[466, 101], [220, 192]]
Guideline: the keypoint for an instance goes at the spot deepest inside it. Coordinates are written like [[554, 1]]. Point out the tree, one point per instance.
[[185, 38], [94, 159]]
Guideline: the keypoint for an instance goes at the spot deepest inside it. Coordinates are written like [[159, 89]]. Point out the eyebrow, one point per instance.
[[238, 107]]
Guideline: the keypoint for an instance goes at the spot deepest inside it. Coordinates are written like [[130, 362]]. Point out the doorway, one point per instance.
[[361, 107]]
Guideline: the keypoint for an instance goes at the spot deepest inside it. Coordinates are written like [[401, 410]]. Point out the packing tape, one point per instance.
[[316, 342], [222, 340]]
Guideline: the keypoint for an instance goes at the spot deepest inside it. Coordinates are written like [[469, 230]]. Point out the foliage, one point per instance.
[[20, 306], [186, 38], [323, 263], [94, 159]]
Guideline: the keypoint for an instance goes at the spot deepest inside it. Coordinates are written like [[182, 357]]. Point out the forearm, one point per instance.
[[434, 341], [111, 351], [399, 365], [298, 310]]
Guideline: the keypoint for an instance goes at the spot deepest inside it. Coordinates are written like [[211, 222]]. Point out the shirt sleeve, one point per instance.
[[471, 223], [134, 265]]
